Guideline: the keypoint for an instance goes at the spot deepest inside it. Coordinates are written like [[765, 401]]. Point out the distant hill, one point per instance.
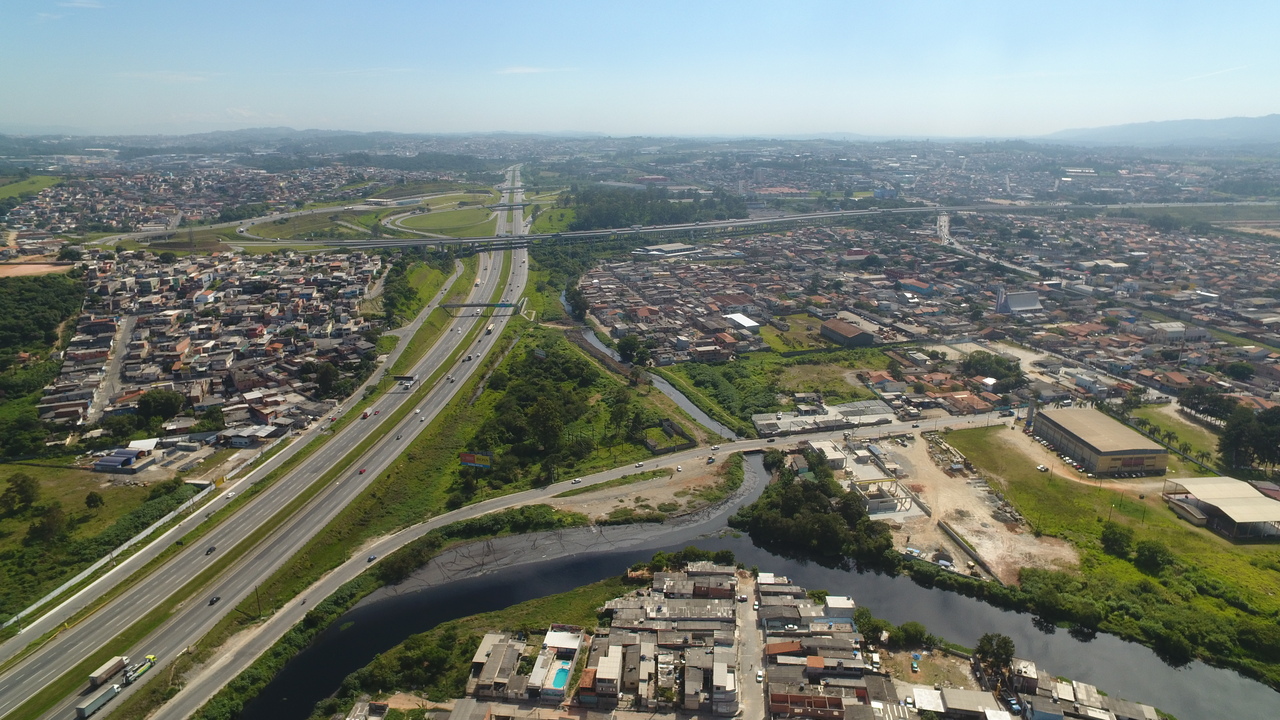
[[1224, 131]]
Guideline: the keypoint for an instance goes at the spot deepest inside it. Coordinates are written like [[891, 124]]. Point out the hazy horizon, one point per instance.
[[913, 70]]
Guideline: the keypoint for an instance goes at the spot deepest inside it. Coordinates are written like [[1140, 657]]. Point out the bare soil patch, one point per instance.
[[658, 493], [967, 504], [21, 269]]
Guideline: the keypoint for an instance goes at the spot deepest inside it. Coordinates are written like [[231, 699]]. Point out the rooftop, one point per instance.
[[1103, 433]]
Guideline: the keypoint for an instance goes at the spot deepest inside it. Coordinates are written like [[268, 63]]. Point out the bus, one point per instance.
[[489, 330]]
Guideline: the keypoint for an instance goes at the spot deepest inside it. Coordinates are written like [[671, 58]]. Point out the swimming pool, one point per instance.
[[561, 677]]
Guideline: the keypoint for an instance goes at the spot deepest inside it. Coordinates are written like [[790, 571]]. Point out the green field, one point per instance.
[[467, 222], [32, 185], [426, 188], [1216, 214], [803, 334], [1200, 438], [553, 220]]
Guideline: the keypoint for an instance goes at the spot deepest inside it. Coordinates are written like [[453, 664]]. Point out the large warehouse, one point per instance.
[[1101, 444], [1231, 507]]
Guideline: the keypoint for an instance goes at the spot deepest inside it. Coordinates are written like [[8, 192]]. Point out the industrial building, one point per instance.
[[1099, 443], [1230, 507]]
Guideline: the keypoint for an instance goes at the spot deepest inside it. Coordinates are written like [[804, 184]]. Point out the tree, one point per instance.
[[1117, 539], [1238, 371], [22, 493], [326, 377], [51, 526], [1152, 556], [168, 257], [995, 652], [627, 348], [70, 253], [93, 500], [118, 426], [912, 634], [163, 404]]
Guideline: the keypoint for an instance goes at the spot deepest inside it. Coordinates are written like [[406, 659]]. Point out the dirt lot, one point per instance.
[[936, 668], [966, 504], [19, 269], [658, 491]]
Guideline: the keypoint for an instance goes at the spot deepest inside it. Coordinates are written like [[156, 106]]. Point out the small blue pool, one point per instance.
[[562, 677]]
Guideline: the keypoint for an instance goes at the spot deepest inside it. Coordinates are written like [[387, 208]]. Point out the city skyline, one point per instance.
[[759, 69]]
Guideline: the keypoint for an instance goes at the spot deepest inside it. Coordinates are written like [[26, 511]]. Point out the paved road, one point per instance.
[[195, 618]]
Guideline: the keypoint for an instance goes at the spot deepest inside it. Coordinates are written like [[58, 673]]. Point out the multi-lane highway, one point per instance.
[[196, 617]]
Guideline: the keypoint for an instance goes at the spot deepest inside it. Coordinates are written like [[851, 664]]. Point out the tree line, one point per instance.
[[599, 207]]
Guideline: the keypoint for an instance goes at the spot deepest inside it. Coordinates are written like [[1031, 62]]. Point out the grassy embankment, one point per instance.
[[1199, 437], [1208, 597], [803, 334]]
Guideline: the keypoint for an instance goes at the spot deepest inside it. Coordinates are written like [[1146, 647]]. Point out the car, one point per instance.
[[231, 494], [772, 440], [639, 464], [1042, 468], [576, 481], [915, 666], [915, 425], [755, 606], [371, 558], [417, 410], [711, 459], [333, 419], [397, 437], [211, 549], [376, 412], [422, 420], [715, 447], [679, 469], [214, 600], [362, 471], [760, 676]]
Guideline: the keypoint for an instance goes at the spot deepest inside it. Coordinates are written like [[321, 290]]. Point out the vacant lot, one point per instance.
[[967, 504], [33, 184], [836, 382], [803, 334], [672, 493], [17, 269]]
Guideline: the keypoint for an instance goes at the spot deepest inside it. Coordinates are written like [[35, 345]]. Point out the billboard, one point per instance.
[[480, 460]]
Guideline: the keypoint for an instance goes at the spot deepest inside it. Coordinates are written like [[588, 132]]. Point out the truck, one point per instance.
[[133, 672], [89, 707], [108, 670], [489, 330]]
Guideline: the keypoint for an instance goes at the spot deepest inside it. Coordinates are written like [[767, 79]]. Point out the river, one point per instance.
[[492, 575]]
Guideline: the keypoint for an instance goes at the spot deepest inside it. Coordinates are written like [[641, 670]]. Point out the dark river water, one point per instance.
[[1196, 692]]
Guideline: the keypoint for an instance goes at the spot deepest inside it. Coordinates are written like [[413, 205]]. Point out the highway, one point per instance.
[[195, 618]]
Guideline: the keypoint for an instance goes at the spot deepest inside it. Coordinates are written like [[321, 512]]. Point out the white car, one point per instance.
[[679, 469], [417, 410], [760, 676], [639, 464], [715, 447], [577, 481]]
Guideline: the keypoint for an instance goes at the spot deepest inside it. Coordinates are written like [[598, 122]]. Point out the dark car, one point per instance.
[[371, 558], [214, 600], [211, 549]]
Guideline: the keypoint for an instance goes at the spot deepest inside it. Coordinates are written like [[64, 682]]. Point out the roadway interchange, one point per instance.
[[195, 617]]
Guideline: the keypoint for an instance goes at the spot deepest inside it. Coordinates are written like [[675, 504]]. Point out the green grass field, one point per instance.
[[33, 184], [1214, 213], [803, 334], [553, 220], [467, 222]]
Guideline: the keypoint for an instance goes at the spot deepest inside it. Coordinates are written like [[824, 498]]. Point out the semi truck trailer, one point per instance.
[[89, 707]]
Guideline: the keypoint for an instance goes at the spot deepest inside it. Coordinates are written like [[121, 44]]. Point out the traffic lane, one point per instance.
[[231, 532]]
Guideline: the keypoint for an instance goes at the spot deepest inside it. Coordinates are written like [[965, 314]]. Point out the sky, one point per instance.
[[907, 68]]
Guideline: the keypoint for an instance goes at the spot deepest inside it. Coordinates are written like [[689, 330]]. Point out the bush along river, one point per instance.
[[491, 575]]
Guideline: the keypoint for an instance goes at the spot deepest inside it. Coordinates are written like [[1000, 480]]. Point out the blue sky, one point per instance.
[[904, 68]]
